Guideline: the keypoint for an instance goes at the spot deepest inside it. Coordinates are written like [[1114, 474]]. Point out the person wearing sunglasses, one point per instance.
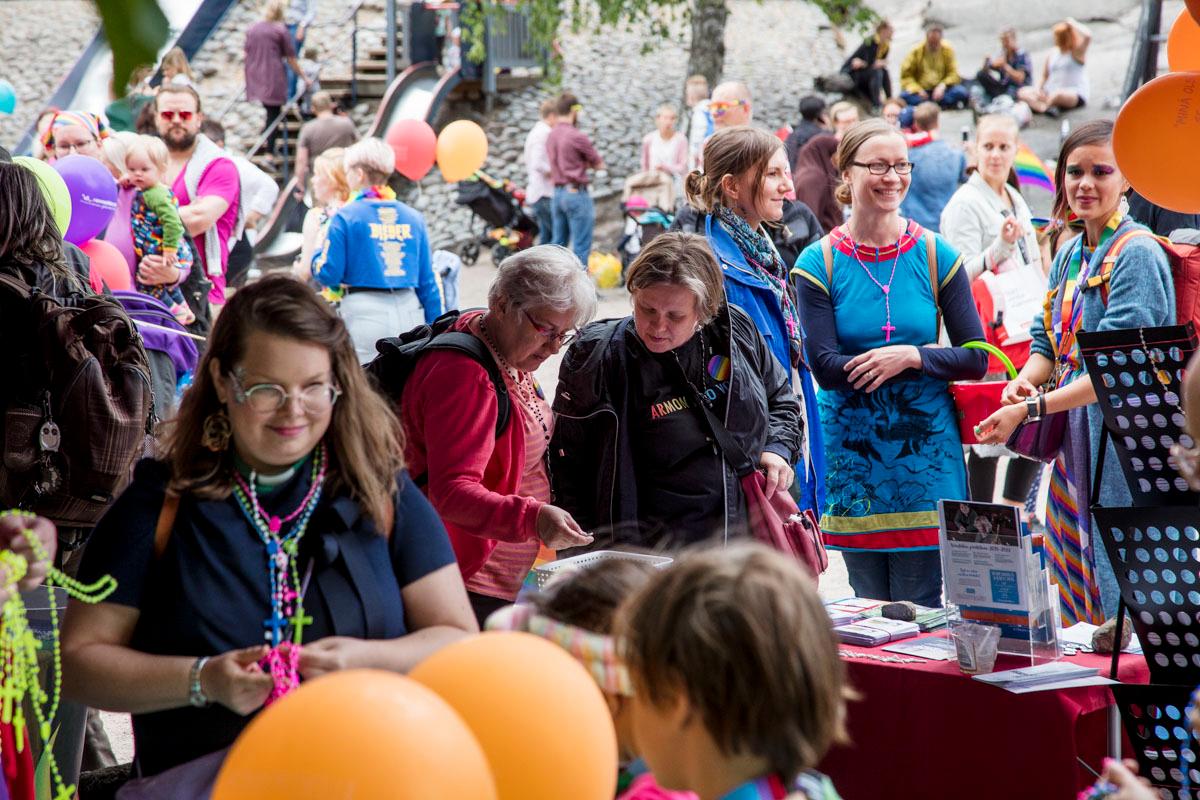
[[205, 181], [731, 105], [74, 133], [278, 538], [491, 486], [874, 294]]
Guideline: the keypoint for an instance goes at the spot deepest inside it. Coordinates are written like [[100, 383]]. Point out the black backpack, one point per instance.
[[398, 357]]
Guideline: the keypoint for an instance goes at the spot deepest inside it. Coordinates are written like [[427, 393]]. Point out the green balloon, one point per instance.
[[54, 189]]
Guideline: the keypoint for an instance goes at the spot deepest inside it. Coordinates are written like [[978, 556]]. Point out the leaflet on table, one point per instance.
[[850, 609], [1053, 672], [1079, 637], [934, 648], [875, 631]]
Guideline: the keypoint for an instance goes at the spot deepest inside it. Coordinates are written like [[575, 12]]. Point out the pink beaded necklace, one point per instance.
[[886, 288]]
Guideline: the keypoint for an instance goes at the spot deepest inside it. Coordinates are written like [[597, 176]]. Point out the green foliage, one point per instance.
[[136, 30]]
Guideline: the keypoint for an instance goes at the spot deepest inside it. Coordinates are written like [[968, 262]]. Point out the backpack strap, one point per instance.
[[1110, 261], [16, 285], [166, 522], [827, 253], [470, 345], [931, 258]]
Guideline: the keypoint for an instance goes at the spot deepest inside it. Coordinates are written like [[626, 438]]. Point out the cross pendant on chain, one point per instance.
[[299, 621], [887, 331], [274, 625]]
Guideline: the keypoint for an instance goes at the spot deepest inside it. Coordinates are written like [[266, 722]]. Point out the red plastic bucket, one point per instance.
[[978, 400]]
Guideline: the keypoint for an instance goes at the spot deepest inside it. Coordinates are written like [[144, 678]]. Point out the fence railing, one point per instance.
[[1143, 60]]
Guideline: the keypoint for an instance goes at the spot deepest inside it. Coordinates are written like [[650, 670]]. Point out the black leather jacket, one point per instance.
[[593, 466]]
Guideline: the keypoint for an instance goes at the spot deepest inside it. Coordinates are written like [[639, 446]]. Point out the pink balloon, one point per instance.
[[107, 264], [415, 146], [93, 196]]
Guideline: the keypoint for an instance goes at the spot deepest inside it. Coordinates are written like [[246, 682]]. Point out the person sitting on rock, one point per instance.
[[1006, 73], [930, 72], [867, 66]]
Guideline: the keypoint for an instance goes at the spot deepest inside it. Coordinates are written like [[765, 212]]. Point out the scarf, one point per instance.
[[376, 192], [90, 122], [762, 257], [1065, 323]]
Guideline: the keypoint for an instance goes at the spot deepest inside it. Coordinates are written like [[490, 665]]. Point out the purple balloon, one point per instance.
[[93, 196]]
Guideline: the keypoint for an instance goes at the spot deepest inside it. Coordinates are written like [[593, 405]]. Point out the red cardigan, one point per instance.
[[448, 410]]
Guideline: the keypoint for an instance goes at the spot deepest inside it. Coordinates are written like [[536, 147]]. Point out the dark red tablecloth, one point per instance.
[[926, 731]]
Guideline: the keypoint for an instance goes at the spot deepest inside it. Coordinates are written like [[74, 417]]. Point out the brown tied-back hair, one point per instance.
[[731, 151], [742, 634], [364, 438], [680, 259], [589, 598], [852, 142]]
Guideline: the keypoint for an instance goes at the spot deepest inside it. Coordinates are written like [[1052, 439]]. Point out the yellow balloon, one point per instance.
[[461, 149], [540, 717], [356, 735]]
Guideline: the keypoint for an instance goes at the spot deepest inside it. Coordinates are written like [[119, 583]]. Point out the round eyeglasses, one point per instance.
[[267, 398]]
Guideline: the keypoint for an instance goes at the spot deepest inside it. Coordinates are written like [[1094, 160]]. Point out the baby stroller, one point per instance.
[[642, 223], [498, 204]]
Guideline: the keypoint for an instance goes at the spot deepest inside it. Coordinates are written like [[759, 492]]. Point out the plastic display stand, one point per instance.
[[1155, 553], [1160, 733], [1138, 376]]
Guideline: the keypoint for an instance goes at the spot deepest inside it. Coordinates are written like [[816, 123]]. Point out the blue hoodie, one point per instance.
[[750, 292], [379, 244]]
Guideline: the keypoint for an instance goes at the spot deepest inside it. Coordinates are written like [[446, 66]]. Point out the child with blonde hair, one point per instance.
[[154, 219], [738, 690]]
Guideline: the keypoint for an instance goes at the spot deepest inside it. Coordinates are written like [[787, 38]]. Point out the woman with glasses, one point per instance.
[[875, 293], [633, 454], [491, 486], [376, 253], [743, 195], [1113, 276], [74, 133], [278, 539]]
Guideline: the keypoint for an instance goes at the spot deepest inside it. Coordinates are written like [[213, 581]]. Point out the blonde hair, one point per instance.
[[152, 147], [176, 62], [1005, 121], [732, 151], [680, 259], [852, 141], [274, 10], [840, 107], [330, 165], [373, 156], [115, 149], [695, 89]]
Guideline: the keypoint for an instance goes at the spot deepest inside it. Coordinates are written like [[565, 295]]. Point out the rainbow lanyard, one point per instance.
[[770, 787], [1071, 308], [374, 192]]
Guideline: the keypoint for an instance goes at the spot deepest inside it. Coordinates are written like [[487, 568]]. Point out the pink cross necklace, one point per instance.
[[887, 327]]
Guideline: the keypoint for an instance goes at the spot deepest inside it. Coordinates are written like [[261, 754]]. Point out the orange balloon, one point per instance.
[[356, 735], [1183, 44], [1155, 141], [539, 715], [462, 148], [107, 263]]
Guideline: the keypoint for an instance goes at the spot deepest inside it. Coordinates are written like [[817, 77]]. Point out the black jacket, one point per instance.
[[799, 137], [797, 230], [592, 460]]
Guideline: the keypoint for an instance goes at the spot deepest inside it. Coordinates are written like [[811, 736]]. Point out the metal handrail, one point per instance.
[[1143, 61]]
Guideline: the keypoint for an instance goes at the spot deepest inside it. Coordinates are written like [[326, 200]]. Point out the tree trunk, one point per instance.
[[707, 55]]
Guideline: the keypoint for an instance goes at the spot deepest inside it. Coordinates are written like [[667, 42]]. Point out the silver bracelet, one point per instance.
[[196, 696]]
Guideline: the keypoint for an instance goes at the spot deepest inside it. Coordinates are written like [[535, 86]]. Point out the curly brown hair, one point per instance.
[[364, 438]]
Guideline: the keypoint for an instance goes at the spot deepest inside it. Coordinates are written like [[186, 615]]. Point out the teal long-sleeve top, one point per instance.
[[379, 244]]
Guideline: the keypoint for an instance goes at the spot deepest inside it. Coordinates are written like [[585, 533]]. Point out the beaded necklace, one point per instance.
[[286, 592], [887, 327], [19, 647], [375, 192], [523, 382]]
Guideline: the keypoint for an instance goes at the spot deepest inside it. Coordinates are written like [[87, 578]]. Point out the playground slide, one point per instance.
[[416, 93], [86, 84]]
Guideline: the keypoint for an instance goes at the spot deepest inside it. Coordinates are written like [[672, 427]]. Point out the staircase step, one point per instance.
[[368, 86]]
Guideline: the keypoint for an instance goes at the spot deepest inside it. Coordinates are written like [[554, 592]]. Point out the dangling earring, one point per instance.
[[217, 430]]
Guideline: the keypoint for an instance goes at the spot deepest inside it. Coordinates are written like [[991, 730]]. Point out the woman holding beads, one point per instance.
[[743, 190], [280, 512], [1134, 290], [873, 293], [492, 487], [633, 454]]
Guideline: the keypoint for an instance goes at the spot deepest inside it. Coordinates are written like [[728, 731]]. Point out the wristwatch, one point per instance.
[[196, 695], [1033, 407]]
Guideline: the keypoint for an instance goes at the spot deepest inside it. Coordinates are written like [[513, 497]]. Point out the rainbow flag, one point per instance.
[[1031, 171]]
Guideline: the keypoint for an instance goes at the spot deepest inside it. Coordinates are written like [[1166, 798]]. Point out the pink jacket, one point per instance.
[[448, 411], [644, 787]]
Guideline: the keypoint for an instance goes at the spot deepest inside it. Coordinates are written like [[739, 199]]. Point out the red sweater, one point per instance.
[[449, 415]]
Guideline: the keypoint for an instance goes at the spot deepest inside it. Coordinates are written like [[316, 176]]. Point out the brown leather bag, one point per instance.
[[80, 410]]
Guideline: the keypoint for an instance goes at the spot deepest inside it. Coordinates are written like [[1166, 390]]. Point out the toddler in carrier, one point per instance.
[[154, 219]]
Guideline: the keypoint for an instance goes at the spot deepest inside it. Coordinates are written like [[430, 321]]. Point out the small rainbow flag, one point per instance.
[[1031, 171]]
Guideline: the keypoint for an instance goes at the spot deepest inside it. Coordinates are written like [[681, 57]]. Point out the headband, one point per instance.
[[90, 122], [595, 651]]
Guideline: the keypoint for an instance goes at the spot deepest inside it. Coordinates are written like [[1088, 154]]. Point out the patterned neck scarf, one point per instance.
[[1065, 323], [762, 257], [377, 192]]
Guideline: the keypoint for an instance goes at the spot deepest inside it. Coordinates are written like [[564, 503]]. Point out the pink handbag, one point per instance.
[[779, 523]]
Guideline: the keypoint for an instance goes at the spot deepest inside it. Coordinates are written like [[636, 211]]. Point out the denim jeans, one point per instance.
[[915, 576], [543, 214], [574, 218], [292, 78], [955, 95]]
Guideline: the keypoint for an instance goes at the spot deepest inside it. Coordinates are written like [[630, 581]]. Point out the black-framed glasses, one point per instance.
[[548, 333], [267, 398], [881, 168]]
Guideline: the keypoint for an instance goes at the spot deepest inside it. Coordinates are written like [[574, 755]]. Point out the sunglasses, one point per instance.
[[170, 116], [720, 108]]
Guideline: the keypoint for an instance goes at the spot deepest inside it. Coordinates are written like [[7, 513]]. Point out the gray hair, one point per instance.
[[371, 155], [546, 276]]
